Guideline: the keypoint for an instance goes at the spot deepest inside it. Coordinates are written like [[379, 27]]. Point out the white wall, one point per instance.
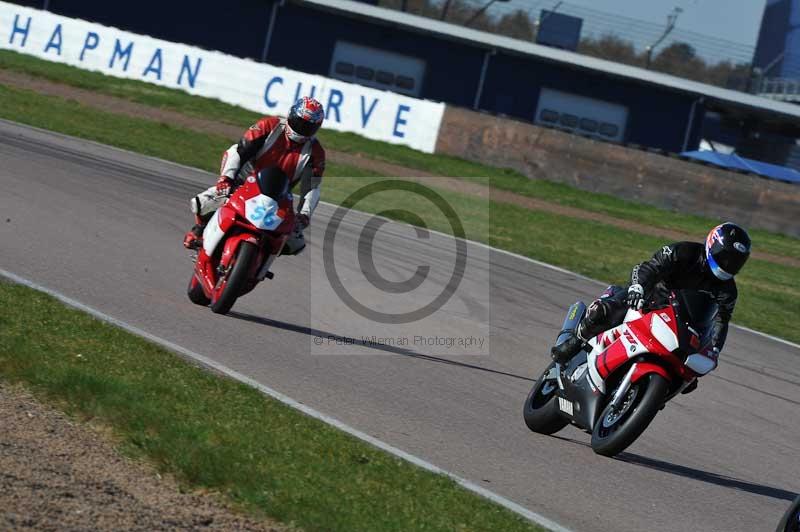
[[256, 86]]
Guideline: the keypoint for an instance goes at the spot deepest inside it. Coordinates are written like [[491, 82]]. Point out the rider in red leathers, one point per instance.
[[288, 144]]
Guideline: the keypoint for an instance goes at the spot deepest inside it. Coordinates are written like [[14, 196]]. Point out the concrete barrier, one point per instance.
[[656, 179]]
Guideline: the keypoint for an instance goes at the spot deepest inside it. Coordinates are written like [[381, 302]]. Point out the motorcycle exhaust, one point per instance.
[[574, 316]]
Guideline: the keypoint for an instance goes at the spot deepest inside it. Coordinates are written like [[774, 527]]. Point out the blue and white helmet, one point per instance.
[[304, 119], [727, 249]]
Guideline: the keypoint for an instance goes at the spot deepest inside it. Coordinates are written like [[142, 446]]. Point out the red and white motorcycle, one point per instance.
[[241, 241], [616, 389]]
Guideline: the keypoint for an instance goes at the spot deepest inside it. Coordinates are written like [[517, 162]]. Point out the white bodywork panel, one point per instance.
[[594, 377], [212, 234], [632, 348], [262, 211], [663, 333], [632, 315]]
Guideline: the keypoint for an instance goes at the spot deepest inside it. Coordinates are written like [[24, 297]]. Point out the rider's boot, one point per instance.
[[593, 323], [194, 237], [563, 352], [295, 243]]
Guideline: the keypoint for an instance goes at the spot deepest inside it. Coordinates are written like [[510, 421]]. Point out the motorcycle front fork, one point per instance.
[[264, 272]]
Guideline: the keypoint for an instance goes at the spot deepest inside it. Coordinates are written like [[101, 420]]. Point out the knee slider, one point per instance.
[[597, 312]]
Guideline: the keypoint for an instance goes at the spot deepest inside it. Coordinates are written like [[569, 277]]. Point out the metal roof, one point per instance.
[[728, 98]]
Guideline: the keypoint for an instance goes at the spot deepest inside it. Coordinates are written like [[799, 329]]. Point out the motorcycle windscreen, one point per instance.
[[262, 212]]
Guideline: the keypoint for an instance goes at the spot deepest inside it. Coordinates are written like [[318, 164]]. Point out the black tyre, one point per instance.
[[196, 294], [791, 520], [541, 409], [615, 430], [234, 281]]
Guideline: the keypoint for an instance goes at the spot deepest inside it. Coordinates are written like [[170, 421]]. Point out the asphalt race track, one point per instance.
[[104, 227]]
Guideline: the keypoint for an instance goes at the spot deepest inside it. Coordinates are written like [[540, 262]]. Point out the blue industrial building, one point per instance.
[[438, 61], [778, 48]]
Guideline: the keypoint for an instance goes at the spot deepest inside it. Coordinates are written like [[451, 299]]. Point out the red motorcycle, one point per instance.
[[614, 390], [242, 240]]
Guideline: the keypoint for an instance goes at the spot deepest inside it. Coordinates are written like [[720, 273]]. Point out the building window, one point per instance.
[[364, 73], [589, 125], [582, 114], [374, 67], [404, 82], [568, 120], [548, 115], [609, 130], [387, 78], [345, 69]]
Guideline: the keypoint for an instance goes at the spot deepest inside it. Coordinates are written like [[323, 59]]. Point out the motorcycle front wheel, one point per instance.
[[195, 292], [617, 428], [231, 284], [541, 409], [791, 520]]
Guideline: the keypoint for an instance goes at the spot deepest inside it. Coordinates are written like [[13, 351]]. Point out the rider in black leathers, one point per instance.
[[684, 265]]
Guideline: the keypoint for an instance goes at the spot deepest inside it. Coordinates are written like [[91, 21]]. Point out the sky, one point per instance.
[[733, 20]]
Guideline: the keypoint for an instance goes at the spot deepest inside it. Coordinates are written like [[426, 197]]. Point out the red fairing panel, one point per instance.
[[227, 217], [232, 244], [205, 269], [612, 358], [657, 331], [653, 334], [645, 368]]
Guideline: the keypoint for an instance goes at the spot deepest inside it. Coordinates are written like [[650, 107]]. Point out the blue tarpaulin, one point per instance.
[[733, 161]]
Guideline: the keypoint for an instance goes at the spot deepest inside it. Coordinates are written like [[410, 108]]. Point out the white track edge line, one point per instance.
[[480, 244], [266, 390]]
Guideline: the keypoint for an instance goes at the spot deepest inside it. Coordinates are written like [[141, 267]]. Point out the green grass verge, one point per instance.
[[765, 288], [504, 179], [215, 433]]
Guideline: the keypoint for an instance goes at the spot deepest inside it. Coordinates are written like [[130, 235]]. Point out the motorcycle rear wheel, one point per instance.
[[616, 430], [541, 409], [235, 279]]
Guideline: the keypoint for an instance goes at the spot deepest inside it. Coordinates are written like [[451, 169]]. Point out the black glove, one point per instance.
[[636, 297]]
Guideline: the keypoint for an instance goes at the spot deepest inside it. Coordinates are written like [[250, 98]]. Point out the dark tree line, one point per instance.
[[679, 58]]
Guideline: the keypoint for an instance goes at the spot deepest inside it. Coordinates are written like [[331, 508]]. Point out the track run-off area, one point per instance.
[[103, 227]]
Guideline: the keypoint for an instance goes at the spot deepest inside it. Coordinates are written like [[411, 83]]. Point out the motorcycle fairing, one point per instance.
[[205, 272], [652, 333], [584, 401], [262, 212], [217, 227]]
